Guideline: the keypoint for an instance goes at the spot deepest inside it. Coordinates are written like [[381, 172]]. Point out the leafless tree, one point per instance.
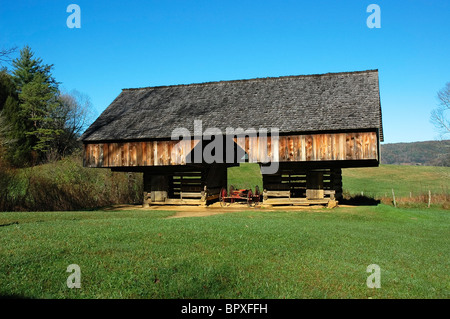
[[74, 115], [439, 116], [5, 55], [78, 111]]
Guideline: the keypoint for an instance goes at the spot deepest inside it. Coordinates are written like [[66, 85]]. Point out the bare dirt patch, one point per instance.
[[215, 209]]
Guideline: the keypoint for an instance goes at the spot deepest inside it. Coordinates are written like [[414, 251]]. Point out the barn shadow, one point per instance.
[[13, 296], [359, 200]]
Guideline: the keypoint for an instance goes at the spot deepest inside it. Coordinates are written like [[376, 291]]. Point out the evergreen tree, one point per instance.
[[9, 104], [7, 87], [31, 125]]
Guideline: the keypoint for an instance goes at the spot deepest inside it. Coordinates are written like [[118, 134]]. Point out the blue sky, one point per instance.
[[123, 44]]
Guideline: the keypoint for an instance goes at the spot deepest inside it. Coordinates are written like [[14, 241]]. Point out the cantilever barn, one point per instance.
[[326, 122]]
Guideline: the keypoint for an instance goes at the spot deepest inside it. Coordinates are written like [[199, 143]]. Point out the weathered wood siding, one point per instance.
[[292, 148]]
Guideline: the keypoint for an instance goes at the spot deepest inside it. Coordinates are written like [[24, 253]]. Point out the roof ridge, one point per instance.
[[251, 80]]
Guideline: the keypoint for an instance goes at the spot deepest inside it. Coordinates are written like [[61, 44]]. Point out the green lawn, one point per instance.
[[254, 254], [246, 175]]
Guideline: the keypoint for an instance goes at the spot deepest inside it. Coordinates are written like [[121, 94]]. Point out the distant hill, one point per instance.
[[429, 153]]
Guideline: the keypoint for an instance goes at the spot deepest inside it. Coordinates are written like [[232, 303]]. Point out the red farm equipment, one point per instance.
[[239, 195]]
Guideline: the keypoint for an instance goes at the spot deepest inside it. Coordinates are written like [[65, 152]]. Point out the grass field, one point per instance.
[[379, 181], [259, 253], [253, 254], [246, 175]]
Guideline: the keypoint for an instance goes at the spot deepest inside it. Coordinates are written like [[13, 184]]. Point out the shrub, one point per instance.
[[66, 185]]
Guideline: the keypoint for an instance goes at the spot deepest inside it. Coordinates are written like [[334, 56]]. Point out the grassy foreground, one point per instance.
[[253, 254]]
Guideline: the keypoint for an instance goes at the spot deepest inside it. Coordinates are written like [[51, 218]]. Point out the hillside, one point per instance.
[[429, 153], [405, 180]]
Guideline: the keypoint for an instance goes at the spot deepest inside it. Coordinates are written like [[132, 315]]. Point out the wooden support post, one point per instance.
[[147, 190], [215, 179], [146, 203], [204, 194], [429, 198], [159, 188], [314, 185], [336, 182], [156, 188]]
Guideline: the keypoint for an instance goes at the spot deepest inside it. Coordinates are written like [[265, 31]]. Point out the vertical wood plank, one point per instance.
[[297, 148], [263, 145], [254, 149], [133, 153], [105, 155], [150, 159], [342, 146], [119, 157], [185, 150], [303, 148], [95, 155], [100, 155], [269, 149], [126, 153], [330, 149], [282, 148], [309, 147], [141, 153], [314, 145], [168, 151], [375, 146], [87, 155], [350, 146], [290, 148], [275, 148]]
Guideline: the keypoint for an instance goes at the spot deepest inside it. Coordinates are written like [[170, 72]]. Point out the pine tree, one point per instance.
[[30, 121], [9, 108], [7, 87]]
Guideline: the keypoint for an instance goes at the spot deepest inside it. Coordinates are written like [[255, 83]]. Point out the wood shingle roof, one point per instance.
[[294, 104]]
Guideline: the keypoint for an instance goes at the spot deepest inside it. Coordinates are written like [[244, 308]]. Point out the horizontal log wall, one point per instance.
[[293, 183], [292, 148]]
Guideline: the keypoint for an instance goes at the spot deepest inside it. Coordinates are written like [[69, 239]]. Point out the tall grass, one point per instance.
[[66, 185], [419, 201]]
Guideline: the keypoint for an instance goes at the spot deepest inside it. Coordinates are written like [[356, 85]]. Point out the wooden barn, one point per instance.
[[323, 123]]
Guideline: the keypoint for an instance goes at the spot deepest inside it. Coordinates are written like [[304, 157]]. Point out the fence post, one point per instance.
[[429, 198], [393, 197]]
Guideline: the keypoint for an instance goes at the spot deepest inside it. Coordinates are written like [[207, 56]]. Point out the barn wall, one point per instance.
[[292, 148]]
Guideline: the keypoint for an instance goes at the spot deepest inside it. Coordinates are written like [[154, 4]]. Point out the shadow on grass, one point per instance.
[[13, 296], [9, 224], [360, 200]]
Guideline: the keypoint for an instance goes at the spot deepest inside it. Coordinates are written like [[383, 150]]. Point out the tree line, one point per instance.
[[38, 121]]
